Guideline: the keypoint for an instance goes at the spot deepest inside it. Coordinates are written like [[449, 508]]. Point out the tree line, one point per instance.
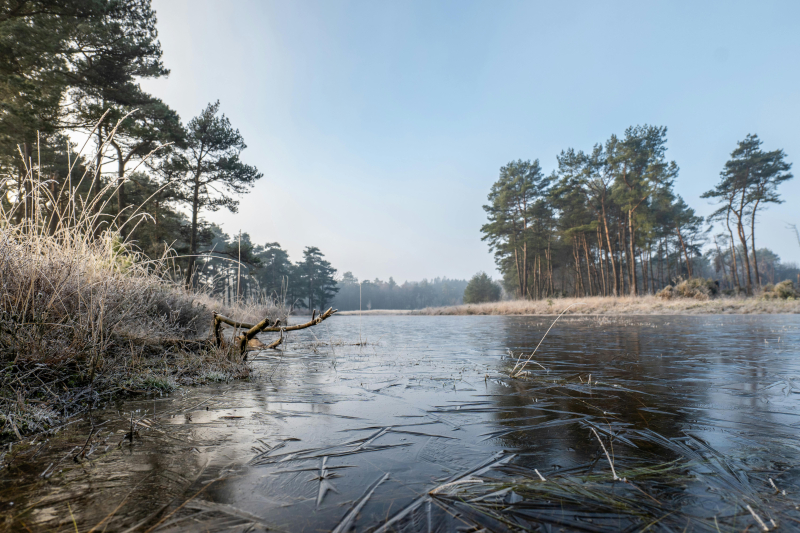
[[608, 221], [240, 270], [72, 70], [377, 294]]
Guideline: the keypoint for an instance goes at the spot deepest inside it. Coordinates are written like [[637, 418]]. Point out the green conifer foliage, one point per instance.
[[481, 289]]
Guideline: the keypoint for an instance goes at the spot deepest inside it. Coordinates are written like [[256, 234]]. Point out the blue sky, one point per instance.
[[380, 126]]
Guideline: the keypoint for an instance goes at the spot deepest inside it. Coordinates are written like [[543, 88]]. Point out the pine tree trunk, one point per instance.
[[600, 256], [645, 287], [623, 272], [519, 273], [753, 241], [721, 260], [588, 265], [611, 252], [122, 202], [746, 259], [632, 257], [735, 266], [193, 235], [524, 269], [685, 255]]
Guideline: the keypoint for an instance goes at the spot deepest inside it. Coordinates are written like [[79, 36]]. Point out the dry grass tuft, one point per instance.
[[84, 316]]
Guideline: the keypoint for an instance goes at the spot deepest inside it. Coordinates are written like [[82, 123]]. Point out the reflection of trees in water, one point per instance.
[[706, 378], [706, 391], [671, 362]]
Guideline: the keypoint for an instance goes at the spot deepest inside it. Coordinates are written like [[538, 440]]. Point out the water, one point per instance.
[[696, 415]]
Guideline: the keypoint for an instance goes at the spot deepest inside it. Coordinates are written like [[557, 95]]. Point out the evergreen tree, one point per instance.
[[750, 178], [606, 222], [275, 269], [212, 171], [34, 67], [769, 170], [688, 227], [164, 225], [93, 51], [481, 289], [516, 210], [317, 277], [640, 168], [349, 279]]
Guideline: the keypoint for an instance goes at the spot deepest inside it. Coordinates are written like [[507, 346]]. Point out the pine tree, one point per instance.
[[64, 63], [639, 164], [750, 178], [317, 277], [213, 173], [481, 289], [515, 206], [275, 270]]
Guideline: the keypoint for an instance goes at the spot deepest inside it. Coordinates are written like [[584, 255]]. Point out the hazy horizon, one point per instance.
[[381, 127]]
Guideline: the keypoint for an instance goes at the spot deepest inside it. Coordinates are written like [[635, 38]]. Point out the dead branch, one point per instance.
[[242, 341], [277, 343], [312, 322]]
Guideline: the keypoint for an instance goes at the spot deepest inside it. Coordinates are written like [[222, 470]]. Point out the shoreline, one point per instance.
[[380, 312], [606, 306]]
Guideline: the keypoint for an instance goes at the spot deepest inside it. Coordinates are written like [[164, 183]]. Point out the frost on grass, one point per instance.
[[85, 316], [627, 305]]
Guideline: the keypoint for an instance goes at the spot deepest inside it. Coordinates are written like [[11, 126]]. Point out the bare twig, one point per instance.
[[610, 462]]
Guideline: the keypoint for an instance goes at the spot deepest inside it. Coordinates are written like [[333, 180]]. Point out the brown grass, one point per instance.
[[626, 305], [83, 316]]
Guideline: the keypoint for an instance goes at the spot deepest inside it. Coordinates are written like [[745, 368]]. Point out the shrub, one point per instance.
[[481, 289], [780, 291], [696, 288]]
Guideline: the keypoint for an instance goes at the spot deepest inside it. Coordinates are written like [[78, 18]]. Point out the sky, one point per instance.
[[381, 126]]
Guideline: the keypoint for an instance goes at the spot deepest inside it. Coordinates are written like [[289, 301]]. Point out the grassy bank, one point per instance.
[[85, 318], [627, 305]]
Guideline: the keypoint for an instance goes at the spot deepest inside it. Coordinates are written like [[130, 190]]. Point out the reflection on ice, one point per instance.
[[421, 429]]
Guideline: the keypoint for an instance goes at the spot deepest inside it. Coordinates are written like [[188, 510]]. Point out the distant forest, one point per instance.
[[261, 271], [608, 222], [379, 294]]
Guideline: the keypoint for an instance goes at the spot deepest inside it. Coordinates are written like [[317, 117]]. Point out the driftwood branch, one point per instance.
[[242, 341], [312, 322], [275, 344]]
